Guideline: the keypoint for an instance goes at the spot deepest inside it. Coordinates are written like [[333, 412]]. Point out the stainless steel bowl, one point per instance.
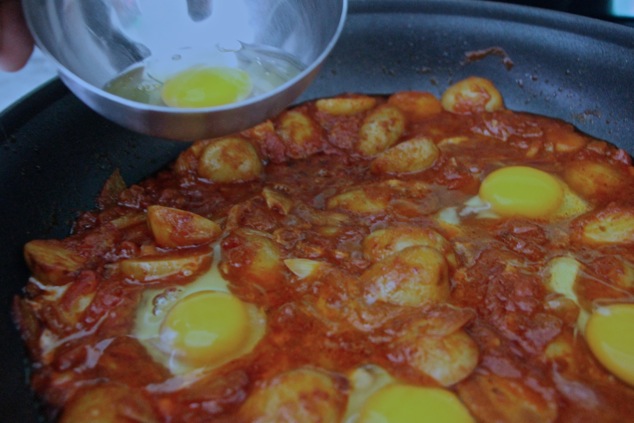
[[93, 41]]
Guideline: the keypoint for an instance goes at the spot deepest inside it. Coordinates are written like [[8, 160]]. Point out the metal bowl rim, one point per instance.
[[143, 107]]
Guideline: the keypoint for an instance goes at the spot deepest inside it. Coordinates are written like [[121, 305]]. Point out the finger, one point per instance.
[[16, 42], [199, 9]]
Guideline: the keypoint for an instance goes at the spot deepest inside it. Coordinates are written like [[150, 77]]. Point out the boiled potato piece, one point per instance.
[[360, 201], [301, 135], [276, 200], [472, 95], [612, 225], [594, 180], [231, 159], [252, 257], [565, 139], [381, 129], [51, 261], [129, 220], [437, 345], [179, 266], [384, 242], [448, 359], [187, 161], [108, 403], [173, 228], [414, 276], [416, 105], [344, 106], [301, 395], [267, 141], [493, 398], [414, 155], [304, 268]]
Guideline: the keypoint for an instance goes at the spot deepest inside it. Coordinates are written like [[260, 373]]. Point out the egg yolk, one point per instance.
[[398, 403], [205, 327], [206, 87], [522, 191], [611, 339]]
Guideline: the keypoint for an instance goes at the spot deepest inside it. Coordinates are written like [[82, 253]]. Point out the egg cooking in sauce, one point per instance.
[[377, 397], [522, 191], [201, 325], [610, 337]]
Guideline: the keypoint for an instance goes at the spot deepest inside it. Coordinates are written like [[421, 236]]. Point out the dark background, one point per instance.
[[610, 10]]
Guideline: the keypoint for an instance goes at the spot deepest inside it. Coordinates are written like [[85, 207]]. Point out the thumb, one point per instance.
[[16, 42]]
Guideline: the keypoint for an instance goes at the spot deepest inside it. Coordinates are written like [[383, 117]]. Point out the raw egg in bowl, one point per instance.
[[186, 70]]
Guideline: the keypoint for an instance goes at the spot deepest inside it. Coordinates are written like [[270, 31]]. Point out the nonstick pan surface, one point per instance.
[[55, 153]]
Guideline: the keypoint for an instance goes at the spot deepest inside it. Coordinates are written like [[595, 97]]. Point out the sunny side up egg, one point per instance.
[[201, 326], [376, 397], [532, 193], [196, 326], [522, 191], [610, 337]]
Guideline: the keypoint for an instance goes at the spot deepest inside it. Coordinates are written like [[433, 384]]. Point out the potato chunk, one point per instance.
[[304, 268], [416, 105], [381, 129], [252, 258], [108, 403], [612, 225], [275, 200], [594, 180], [173, 228], [301, 395], [181, 266], [231, 159], [565, 139], [360, 201], [447, 359], [344, 106], [492, 398], [414, 155], [384, 242], [436, 344], [51, 261], [301, 135], [472, 95], [414, 276]]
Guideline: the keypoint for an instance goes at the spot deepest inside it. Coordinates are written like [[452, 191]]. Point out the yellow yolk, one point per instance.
[[522, 191], [611, 339], [397, 403], [206, 326], [206, 87]]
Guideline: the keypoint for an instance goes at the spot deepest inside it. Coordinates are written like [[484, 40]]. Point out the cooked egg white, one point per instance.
[[608, 329], [200, 325], [377, 397], [563, 273]]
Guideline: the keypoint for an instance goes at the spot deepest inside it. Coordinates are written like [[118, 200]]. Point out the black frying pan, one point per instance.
[[55, 153]]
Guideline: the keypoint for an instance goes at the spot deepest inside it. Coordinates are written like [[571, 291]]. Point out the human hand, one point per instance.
[[16, 42]]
